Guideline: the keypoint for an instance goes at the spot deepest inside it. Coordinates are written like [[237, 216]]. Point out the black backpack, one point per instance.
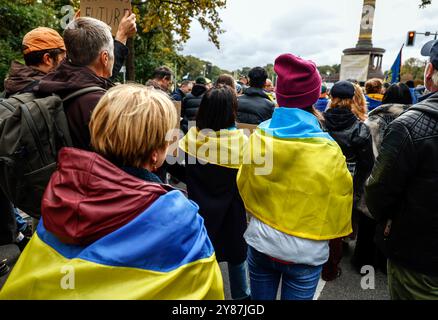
[[32, 131]]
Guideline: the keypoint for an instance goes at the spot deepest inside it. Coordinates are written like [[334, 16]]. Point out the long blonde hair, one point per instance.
[[359, 107]]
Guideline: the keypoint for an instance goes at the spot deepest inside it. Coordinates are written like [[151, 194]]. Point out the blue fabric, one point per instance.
[[293, 123], [299, 281], [21, 223], [171, 225], [372, 104], [238, 274], [321, 104], [396, 68], [414, 95], [178, 95]]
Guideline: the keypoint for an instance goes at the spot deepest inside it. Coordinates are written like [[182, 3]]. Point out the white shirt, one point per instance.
[[285, 247]]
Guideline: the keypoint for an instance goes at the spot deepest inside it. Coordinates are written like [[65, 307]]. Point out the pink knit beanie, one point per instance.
[[298, 83]]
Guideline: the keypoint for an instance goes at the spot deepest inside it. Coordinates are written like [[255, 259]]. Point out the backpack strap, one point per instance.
[[82, 92]]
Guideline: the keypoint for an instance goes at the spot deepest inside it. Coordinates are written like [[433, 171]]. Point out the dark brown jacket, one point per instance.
[[67, 79], [21, 78]]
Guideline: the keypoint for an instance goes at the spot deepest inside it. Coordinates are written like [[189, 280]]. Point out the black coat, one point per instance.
[[355, 140], [403, 188], [190, 105], [214, 189], [254, 107]]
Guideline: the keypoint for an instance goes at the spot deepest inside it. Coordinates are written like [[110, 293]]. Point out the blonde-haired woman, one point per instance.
[[359, 105], [108, 217], [343, 122]]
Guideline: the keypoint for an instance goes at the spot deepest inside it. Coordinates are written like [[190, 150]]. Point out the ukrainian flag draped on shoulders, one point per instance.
[[223, 148], [126, 239], [295, 178]]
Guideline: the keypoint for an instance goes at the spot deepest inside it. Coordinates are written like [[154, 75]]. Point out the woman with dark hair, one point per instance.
[[397, 93], [396, 100], [213, 156]]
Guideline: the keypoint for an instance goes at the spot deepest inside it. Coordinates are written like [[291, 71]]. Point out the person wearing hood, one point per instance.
[[211, 180], [109, 225], [255, 106], [402, 188], [192, 101], [343, 123], [296, 186]]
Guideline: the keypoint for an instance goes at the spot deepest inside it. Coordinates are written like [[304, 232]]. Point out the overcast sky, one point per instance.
[[257, 31]]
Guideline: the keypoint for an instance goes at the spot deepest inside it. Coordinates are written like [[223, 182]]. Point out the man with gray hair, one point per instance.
[[89, 63], [402, 194]]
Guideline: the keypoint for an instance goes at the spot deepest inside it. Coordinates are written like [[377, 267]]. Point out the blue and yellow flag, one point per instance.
[[223, 148], [163, 254], [306, 191]]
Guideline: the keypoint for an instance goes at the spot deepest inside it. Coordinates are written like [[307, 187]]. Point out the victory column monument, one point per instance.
[[364, 61]]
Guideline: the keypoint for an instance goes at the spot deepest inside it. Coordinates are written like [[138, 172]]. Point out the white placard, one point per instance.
[[355, 67]]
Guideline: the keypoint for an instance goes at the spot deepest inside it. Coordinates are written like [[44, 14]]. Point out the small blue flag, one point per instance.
[[396, 69]]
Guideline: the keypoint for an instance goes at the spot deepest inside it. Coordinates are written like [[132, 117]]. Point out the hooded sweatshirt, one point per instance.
[[124, 237], [67, 79], [21, 78]]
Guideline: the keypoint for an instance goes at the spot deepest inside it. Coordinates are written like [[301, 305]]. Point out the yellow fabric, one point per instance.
[[376, 96], [309, 192], [39, 274], [223, 148]]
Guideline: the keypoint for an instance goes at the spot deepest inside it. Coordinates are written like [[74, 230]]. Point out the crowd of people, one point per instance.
[[349, 162]]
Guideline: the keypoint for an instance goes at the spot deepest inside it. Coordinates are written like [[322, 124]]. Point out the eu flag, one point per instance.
[[396, 68]]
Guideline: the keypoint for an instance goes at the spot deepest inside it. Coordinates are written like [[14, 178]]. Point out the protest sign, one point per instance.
[[109, 11]]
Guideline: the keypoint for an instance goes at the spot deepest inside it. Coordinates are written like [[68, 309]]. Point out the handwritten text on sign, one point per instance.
[[109, 11]]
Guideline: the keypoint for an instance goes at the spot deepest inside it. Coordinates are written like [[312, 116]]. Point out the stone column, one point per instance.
[[366, 26]]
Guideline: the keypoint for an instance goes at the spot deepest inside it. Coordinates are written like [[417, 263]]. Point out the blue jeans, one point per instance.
[[299, 281], [238, 275]]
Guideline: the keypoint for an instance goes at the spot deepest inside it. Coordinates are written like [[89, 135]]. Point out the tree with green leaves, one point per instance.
[[413, 69], [168, 22], [424, 3], [17, 18]]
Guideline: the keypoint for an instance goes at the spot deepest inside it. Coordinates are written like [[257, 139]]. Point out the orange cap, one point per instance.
[[42, 39]]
